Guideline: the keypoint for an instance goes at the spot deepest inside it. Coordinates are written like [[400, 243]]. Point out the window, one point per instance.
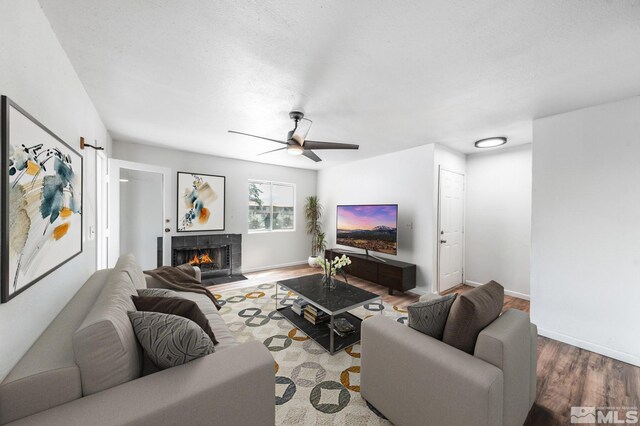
[[271, 206]]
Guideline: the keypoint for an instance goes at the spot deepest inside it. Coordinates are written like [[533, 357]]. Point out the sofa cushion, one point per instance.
[[105, 346], [129, 264], [157, 292], [224, 337], [170, 340], [47, 375], [429, 317], [175, 306], [471, 312]]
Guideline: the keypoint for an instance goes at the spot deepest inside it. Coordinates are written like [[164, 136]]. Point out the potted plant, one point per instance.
[[313, 214]]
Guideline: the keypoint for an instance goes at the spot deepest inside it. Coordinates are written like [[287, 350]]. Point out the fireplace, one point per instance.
[[212, 261], [217, 255]]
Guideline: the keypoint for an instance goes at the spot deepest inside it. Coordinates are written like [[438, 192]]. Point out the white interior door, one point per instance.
[[138, 213], [451, 230]]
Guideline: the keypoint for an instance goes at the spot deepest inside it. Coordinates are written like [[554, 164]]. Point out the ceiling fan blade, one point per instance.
[[273, 150], [312, 155], [259, 137], [329, 145]]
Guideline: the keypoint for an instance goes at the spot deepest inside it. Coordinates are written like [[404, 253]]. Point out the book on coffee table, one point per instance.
[[299, 306], [342, 327]]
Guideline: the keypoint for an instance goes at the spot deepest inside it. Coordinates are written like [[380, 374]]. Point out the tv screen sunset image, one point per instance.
[[370, 227]]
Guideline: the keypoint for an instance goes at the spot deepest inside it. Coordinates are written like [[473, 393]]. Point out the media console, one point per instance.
[[393, 274]]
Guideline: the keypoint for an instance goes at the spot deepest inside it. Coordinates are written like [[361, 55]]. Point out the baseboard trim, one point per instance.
[[282, 265], [592, 347], [507, 292]]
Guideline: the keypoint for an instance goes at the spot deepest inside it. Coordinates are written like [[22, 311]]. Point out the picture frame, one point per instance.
[[41, 201], [200, 202]]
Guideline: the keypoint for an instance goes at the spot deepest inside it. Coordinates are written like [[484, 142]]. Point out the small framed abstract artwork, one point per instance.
[[200, 202], [41, 200]]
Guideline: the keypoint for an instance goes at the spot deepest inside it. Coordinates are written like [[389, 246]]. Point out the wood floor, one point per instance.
[[566, 376]]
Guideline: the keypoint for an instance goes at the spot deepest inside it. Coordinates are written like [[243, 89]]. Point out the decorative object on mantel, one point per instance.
[[332, 268], [313, 214], [201, 201], [41, 200]]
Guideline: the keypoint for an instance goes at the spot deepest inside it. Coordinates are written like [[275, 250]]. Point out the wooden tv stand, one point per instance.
[[393, 274]]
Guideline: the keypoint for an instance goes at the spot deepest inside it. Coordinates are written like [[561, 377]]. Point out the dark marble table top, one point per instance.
[[331, 300]]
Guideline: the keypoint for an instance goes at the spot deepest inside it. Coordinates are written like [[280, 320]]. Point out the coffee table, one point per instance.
[[334, 301]]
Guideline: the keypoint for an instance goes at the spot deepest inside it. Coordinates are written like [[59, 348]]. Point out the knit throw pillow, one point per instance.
[[170, 340], [430, 317]]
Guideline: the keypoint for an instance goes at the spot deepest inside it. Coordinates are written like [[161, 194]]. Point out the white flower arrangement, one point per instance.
[[334, 267]]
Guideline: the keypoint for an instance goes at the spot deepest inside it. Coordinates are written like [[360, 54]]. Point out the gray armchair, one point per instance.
[[414, 379]]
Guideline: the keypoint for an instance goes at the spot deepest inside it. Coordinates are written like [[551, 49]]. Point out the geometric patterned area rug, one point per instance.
[[312, 387]]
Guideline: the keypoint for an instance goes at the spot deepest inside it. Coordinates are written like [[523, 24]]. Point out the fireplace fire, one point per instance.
[[202, 259], [212, 261]]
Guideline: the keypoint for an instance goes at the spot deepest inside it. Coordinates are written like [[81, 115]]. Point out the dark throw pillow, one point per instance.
[[430, 317], [471, 313], [175, 306], [170, 340]]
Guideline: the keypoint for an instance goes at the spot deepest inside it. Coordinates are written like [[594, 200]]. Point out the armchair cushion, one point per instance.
[[429, 317], [472, 312]]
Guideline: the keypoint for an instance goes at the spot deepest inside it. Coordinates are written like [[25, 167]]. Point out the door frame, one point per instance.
[[113, 226], [438, 222], [102, 209]]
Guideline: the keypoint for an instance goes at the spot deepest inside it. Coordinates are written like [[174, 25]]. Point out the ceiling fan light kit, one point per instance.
[[295, 149], [296, 143], [490, 142]]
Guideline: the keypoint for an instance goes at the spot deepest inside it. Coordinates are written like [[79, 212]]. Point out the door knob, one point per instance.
[[443, 241], [167, 229]]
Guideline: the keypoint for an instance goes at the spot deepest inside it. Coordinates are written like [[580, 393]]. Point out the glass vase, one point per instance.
[[329, 282]]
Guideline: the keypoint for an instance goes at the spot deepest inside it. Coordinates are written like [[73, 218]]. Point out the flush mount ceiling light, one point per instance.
[[490, 142]]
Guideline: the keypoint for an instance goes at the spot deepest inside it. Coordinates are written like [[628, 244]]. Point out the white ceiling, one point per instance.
[[388, 75]]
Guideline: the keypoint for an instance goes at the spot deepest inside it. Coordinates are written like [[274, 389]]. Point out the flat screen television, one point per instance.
[[369, 227]]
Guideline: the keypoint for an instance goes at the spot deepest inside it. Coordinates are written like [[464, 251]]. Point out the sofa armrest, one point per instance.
[[211, 390], [413, 378], [506, 343], [197, 273]]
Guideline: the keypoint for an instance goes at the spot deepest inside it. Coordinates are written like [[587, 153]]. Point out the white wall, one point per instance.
[[36, 74], [259, 250], [141, 218], [585, 287], [498, 219], [405, 178]]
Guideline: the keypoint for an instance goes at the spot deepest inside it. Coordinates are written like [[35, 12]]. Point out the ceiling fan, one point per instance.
[[297, 144]]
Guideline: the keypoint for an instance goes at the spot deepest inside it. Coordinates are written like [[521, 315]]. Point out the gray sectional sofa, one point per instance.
[[86, 368]]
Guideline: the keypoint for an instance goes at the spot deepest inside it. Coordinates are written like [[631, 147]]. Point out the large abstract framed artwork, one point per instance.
[[200, 202], [41, 200]]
